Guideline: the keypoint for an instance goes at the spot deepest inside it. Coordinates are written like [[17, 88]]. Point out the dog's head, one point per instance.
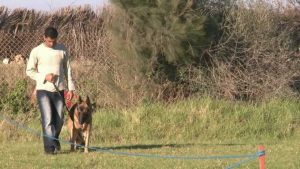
[[84, 110]]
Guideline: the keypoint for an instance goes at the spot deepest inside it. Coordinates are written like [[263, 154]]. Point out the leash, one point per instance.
[[64, 103], [57, 90]]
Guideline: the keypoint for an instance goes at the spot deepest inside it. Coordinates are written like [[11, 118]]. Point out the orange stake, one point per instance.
[[261, 159]]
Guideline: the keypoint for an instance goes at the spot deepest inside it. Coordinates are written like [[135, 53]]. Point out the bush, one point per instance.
[[254, 58], [3, 92], [15, 100]]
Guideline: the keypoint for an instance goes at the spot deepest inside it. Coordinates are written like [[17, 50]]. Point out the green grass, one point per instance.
[[196, 127], [284, 154]]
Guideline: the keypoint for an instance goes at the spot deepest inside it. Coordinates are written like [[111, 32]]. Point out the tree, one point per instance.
[[166, 35]]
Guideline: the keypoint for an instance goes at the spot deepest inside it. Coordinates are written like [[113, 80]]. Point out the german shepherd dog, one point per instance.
[[80, 123]]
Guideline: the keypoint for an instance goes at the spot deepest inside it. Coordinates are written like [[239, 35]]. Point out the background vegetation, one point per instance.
[[131, 50]]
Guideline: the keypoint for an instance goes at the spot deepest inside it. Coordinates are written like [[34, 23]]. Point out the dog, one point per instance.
[[80, 123]]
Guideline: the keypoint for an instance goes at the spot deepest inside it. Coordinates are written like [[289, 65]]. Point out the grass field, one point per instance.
[[280, 155], [194, 128]]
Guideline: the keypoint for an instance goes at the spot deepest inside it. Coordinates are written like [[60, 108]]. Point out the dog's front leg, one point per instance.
[[87, 139], [72, 140]]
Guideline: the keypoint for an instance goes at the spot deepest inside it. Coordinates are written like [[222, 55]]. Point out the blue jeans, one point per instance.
[[51, 108]]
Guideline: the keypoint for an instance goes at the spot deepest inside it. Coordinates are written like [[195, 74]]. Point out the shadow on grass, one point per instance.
[[65, 152], [154, 146], [80, 149]]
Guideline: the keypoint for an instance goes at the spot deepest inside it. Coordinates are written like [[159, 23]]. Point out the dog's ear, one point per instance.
[[93, 106], [79, 100], [87, 100]]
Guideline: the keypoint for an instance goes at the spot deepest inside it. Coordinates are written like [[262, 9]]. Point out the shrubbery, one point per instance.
[[168, 50], [14, 100]]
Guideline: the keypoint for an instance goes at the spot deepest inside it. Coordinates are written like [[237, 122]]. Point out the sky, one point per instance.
[[50, 5]]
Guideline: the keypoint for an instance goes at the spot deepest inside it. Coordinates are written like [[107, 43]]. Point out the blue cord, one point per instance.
[[248, 157], [258, 154]]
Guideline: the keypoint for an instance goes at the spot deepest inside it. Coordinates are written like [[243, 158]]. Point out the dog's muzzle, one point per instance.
[[82, 118]]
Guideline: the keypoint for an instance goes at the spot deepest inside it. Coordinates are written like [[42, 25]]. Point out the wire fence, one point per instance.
[[91, 57], [84, 45]]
